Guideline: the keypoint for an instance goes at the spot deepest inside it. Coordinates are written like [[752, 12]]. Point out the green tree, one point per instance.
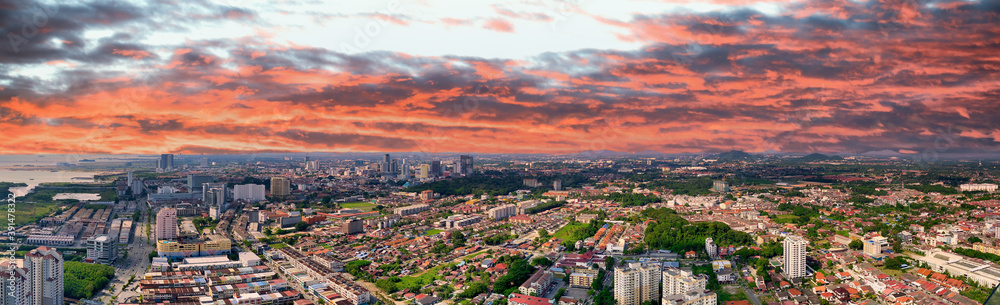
[[856, 244], [301, 226]]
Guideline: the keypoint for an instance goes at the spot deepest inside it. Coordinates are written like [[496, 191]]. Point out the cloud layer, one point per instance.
[[814, 76]]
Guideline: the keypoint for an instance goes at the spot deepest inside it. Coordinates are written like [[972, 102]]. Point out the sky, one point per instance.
[[905, 77]]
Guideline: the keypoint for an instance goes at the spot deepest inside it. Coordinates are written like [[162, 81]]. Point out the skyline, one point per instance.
[[841, 77]]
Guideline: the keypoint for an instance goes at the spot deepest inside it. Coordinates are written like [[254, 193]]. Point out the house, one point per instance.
[[428, 300], [520, 299]]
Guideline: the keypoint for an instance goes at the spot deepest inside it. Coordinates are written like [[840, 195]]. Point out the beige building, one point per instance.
[[280, 186], [166, 224], [636, 283]]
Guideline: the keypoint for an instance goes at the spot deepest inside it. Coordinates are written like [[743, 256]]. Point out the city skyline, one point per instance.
[[501, 77]]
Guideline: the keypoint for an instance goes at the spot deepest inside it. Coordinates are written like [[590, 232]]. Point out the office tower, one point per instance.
[[711, 248], [166, 224], [15, 282], [165, 163], [424, 171], [394, 166], [795, 257], [214, 196], [312, 165], [45, 268], [280, 186], [404, 173], [249, 192], [195, 182], [386, 164], [720, 186], [636, 283], [557, 185], [130, 178], [436, 168], [102, 249], [464, 165]]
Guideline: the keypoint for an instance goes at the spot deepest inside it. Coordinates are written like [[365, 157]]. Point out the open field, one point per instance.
[[361, 206]]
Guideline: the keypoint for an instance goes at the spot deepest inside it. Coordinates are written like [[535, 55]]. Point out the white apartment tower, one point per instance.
[[166, 224], [711, 248], [45, 268], [795, 256], [636, 283]]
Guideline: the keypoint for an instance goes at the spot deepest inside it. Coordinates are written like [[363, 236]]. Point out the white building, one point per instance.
[[988, 187], [249, 192], [875, 245], [636, 283], [502, 212], [711, 248], [102, 249], [45, 269], [794, 259], [678, 281]]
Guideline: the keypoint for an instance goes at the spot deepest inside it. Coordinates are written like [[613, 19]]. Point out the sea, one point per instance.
[[20, 168]]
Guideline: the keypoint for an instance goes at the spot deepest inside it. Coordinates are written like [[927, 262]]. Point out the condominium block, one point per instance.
[[166, 223], [636, 283], [794, 259]]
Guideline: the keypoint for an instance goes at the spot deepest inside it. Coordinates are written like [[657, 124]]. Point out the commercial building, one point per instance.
[[636, 283], [214, 245], [557, 185], [874, 246], [45, 269], [102, 249], [51, 240], [165, 163], [983, 273], [464, 166], [424, 171], [502, 212], [987, 187], [166, 223], [410, 210], [195, 182], [436, 168], [280, 186], [794, 260]]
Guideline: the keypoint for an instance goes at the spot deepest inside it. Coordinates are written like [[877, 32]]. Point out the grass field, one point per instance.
[[31, 212], [432, 232], [568, 230], [361, 206], [784, 218], [279, 246]]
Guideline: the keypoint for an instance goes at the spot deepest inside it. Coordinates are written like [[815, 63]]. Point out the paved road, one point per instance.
[[743, 283], [134, 264]]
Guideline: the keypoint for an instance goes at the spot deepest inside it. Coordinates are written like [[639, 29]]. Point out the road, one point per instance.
[[134, 264], [743, 283]]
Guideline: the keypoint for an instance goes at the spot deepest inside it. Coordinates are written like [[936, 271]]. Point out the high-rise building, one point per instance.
[[720, 186], [214, 194], [679, 281], [557, 185], [353, 226], [130, 178], [404, 173], [166, 224], [386, 164], [45, 268], [424, 171], [249, 192], [15, 282], [436, 168], [636, 283], [165, 163], [102, 249], [464, 165], [204, 162], [795, 256], [195, 182], [280, 186], [711, 248]]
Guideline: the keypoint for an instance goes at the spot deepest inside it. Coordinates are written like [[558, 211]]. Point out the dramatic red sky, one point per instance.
[[559, 76]]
